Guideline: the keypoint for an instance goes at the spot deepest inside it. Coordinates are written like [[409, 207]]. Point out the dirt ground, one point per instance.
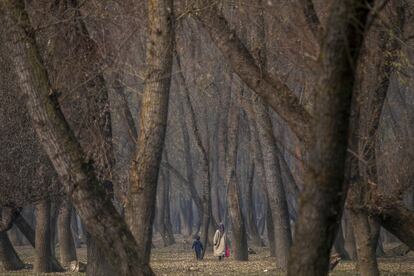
[[179, 260]]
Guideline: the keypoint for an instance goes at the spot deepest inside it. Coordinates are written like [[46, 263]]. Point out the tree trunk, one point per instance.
[[54, 209], [153, 117], [8, 255], [274, 184], [366, 244], [339, 245], [237, 224], [251, 213], [98, 264], [270, 229], [16, 237], [322, 200], [167, 210], [350, 245], [64, 151], [66, 242], [43, 248], [164, 220]]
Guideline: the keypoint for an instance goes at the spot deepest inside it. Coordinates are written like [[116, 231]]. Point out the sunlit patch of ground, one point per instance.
[[179, 260]]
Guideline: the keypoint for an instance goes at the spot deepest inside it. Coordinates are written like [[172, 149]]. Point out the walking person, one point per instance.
[[198, 248], [219, 242]]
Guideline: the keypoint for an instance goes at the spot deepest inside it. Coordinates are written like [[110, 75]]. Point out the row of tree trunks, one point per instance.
[[64, 150], [205, 212]]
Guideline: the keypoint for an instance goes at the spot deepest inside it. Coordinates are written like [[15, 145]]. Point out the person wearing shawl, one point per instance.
[[219, 242]]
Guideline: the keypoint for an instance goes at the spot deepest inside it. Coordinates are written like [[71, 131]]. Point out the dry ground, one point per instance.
[[179, 260]]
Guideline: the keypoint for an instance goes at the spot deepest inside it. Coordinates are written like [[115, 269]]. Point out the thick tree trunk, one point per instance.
[[43, 249], [64, 150], [322, 200], [237, 224], [153, 117], [366, 244], [8, 256], [274, 184], [66, 243], [98, 264]]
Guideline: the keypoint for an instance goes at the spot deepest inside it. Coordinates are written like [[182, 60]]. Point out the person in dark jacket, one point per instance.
[[198, 247]]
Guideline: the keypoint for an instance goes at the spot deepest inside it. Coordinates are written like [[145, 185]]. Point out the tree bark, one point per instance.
[[167, 206], [140, 208], [274, 184], [66, 242], [237, 223], [43, 248], [64, 151], [270, 227], [251, 214], [322, 200]]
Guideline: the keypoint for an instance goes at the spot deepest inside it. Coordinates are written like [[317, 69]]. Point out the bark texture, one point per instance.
[[43, 238], [140, 210], [237, 223], [66, 243]]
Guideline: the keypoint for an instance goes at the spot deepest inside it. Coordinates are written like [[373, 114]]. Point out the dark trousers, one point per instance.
[[198, 254]]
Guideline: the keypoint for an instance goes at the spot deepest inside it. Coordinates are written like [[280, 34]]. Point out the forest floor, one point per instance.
[[178, 259]]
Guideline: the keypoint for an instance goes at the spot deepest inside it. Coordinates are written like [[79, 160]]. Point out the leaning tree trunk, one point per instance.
[[8, 256], [66, 243], [237, 224], [64, 151], [43, 249], [153, 118], [322, 200]]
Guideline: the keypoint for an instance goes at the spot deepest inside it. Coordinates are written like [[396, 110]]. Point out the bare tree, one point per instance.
[[153, 121]]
